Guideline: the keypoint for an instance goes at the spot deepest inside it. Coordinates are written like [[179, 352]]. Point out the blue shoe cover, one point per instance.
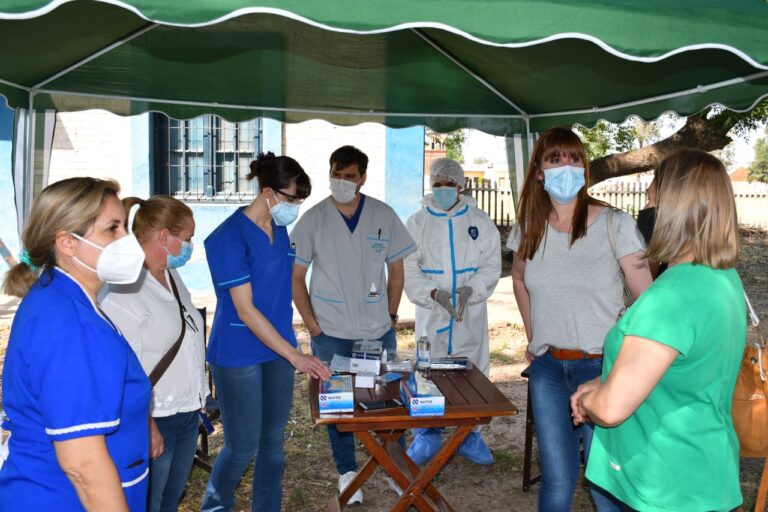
[[475, 450], [425, 445]]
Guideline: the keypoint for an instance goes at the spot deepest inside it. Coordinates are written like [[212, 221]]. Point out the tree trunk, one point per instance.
[[700, 133]]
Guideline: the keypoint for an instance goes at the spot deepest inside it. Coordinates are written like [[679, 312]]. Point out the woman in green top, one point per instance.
[[665, 440]]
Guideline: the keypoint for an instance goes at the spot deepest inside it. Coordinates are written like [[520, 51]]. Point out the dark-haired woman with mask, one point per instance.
[[158, 319], [252, 348], [646, 220], [75, 395], [566, 280]]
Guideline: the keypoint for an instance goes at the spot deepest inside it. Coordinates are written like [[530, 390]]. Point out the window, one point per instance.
[[205, 159]]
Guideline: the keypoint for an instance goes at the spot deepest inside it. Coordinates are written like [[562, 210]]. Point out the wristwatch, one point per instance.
[[394, 317]]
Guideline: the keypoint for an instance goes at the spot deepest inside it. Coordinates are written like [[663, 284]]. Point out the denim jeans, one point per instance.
[[255, 402], [168, 473], [343, 443], [552, 384]]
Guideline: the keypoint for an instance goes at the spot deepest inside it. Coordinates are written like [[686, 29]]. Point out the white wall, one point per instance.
[[93, 143], [312, 142]]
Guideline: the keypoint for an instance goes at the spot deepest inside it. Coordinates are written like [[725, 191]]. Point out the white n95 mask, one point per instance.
[[343, 191], [120, 262]]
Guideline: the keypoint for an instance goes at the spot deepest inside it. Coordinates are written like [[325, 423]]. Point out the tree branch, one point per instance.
[[698, 132]]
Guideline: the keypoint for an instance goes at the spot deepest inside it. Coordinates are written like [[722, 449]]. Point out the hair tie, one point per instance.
[[131, 214], [27, 261]]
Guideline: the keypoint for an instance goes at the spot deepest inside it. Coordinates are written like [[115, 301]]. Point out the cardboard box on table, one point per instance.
[[421, 396]]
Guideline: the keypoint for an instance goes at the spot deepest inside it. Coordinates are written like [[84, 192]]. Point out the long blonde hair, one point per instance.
[[156, 213], [70, 205], [696, 212]]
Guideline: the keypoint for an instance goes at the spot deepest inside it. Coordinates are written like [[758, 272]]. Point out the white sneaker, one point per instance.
[[344, 482]]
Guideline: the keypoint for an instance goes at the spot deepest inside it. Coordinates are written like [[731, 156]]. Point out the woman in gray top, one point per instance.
[[568, 288]]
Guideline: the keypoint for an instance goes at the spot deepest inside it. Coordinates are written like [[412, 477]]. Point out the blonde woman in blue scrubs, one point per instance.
[[75, 395]]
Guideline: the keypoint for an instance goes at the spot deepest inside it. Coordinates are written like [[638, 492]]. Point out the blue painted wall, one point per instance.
[[8, 228], [272, 136], [404, 167], [207, 217]]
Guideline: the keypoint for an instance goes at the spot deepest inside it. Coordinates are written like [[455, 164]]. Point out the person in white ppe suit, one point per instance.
[[449, 278]]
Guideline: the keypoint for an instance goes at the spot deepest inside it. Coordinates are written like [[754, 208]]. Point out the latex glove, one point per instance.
[[464, 293], [443, 298]]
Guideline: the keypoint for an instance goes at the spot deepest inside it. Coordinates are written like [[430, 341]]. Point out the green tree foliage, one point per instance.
[[452, 142], [606, 138], [453, 145], [758, 169]]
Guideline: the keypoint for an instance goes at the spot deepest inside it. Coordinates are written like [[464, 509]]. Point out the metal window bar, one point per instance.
[[209, 159]]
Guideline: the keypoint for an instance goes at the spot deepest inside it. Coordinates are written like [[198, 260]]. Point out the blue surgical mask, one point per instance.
[[563, 183], [283, 213], [445, 197], [183, 257]]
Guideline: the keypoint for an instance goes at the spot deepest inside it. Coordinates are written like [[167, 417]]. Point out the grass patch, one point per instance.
[[500, 356]]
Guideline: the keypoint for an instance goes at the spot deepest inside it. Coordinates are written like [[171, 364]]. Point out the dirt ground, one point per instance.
[[310, 477]]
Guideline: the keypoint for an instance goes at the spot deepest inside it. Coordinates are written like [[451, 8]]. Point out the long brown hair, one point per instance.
[[535, 205]]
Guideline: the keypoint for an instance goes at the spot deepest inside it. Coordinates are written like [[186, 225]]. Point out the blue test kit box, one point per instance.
[[337, 395], [421, 397]]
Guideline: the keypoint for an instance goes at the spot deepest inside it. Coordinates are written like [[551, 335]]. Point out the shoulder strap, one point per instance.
[[752, 315], [628, 298], [168, 357]]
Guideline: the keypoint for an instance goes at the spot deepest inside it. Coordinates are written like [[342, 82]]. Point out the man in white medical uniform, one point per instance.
[[450, 277], [349, 239]]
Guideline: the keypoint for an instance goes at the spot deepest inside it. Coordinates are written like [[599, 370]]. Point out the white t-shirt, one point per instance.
[[575, 290], [148, 315]]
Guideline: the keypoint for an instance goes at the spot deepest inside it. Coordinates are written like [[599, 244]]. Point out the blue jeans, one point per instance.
[[168, 473], [552, 384], [343, 443], [255, 402]]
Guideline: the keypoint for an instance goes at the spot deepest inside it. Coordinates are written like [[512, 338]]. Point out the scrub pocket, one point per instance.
[[328, 308]]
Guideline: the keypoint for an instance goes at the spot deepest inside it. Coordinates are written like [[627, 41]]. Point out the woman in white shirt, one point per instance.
[[150, 317]]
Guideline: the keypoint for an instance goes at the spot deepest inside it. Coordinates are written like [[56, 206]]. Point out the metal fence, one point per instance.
[[497, 203], [752, 207], [630, 197]]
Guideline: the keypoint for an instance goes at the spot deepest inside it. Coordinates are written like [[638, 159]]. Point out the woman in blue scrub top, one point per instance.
[[75, 396], [252, 348]]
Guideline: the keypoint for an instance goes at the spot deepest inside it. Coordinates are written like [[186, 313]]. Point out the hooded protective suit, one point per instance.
[[460, 247]]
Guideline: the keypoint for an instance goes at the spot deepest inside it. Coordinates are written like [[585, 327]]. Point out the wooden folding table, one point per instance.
[[471, 399]]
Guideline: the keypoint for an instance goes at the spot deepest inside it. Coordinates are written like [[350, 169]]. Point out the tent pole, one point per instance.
[[466, 69], [352, 113], [29, 162], [686, 92], [143, 30]]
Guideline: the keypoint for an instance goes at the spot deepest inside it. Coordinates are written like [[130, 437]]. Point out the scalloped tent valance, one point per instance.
[[501, 67]]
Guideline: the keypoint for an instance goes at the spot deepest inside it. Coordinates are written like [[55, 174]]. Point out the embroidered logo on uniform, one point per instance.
[[378, 246], [473, 232], [614, 466]]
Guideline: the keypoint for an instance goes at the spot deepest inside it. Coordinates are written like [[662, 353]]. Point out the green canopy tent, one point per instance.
[[504, 67]]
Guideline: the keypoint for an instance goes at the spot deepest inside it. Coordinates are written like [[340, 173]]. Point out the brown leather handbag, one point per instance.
[[750, 402]]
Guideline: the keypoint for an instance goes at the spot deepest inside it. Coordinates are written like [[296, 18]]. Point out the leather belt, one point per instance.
[[562, 354]]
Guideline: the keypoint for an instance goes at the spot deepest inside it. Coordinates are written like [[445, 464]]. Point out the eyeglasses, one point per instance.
[[291, 198]]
